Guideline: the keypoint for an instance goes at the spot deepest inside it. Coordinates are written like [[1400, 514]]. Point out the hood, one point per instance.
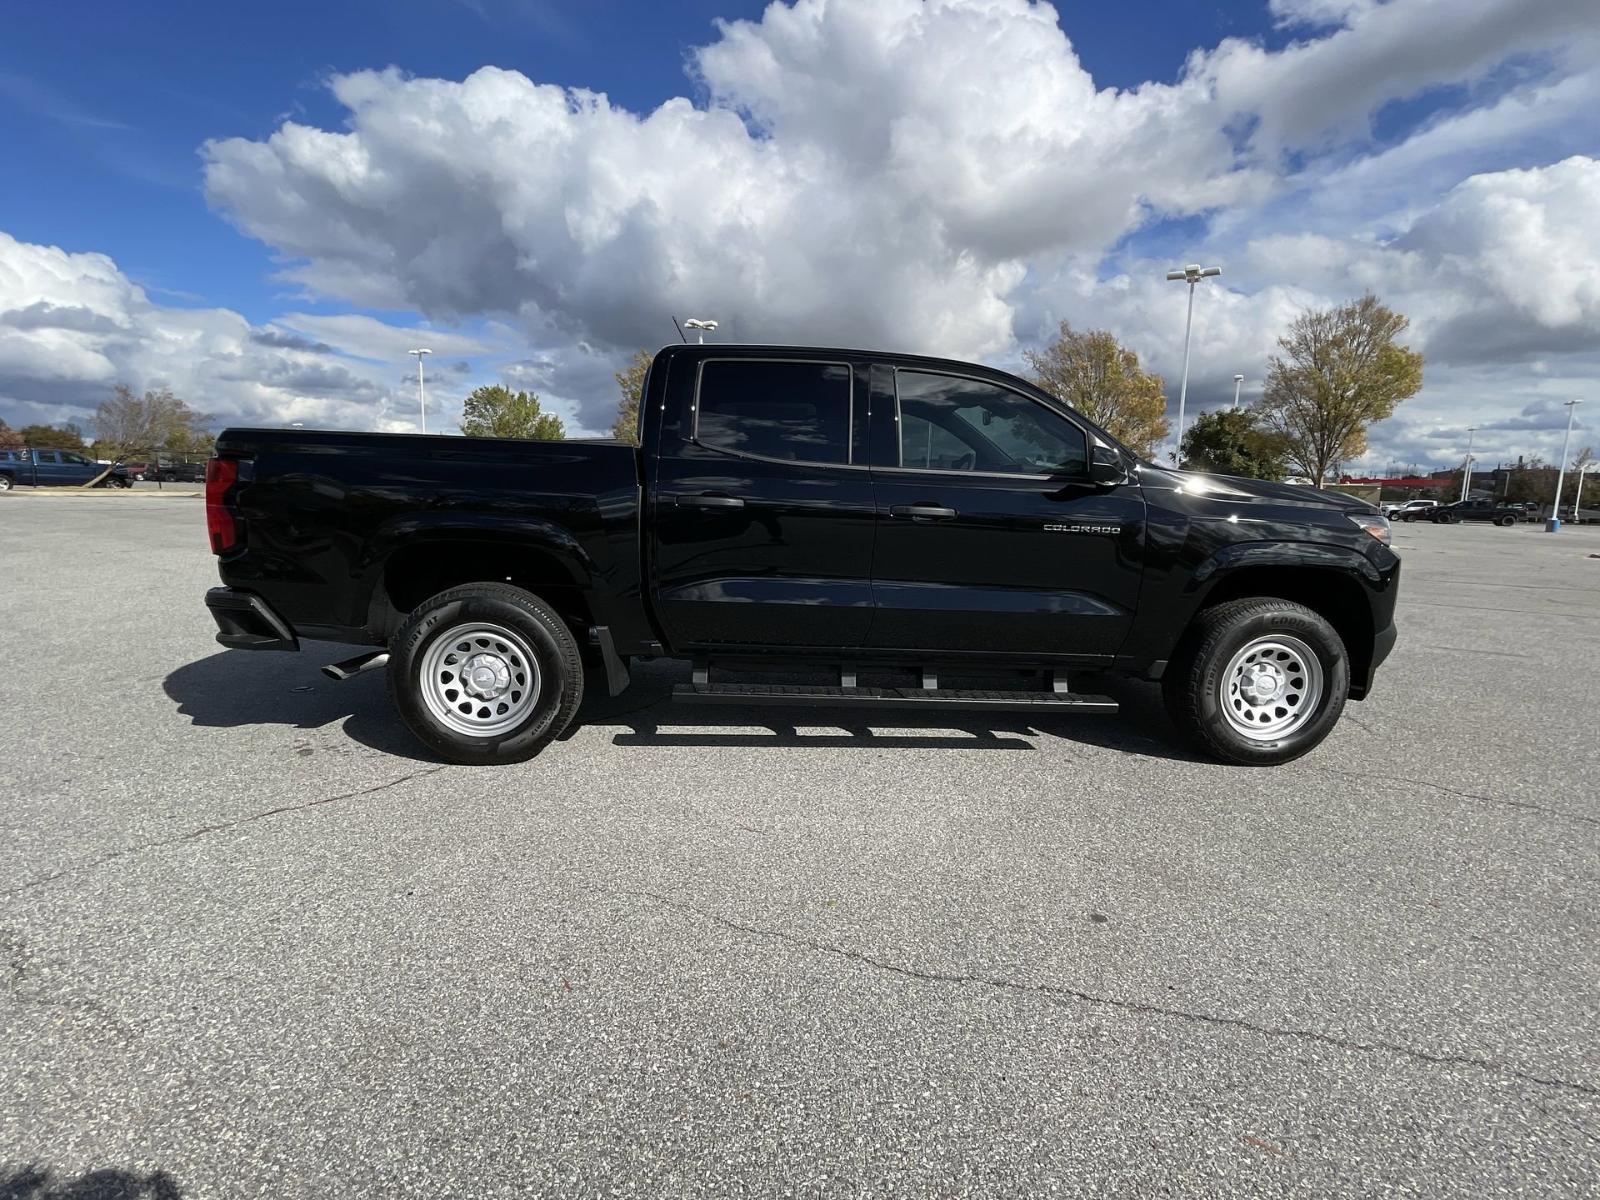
[[1253, 489]]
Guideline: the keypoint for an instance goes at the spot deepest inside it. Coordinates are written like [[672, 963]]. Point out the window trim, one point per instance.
[[899, 449], [849, 464]]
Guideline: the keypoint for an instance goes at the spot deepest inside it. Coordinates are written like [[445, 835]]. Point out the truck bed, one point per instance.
[[324, 514]]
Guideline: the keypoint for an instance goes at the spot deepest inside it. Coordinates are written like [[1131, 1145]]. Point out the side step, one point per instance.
[[873, 697]]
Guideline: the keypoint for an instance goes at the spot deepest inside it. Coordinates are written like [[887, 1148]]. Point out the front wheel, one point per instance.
[[485, 674], [1505, 522], [7, 483], [1258, 681]]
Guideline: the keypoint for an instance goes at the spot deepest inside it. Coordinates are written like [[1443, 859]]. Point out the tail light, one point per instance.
[[221, 474]]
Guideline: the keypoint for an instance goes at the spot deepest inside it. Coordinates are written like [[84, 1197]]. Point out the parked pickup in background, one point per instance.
[[55, 468], [921, 533], [1477, 510]]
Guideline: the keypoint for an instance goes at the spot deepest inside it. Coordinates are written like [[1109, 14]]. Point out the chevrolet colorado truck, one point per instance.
[[917, 532]]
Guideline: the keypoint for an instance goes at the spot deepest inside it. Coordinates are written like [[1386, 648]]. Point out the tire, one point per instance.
[[1276, 639], [7, 483], [1505, 522], [506, 636]]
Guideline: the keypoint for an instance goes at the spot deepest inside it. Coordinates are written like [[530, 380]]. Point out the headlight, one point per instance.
[[1374, 523]]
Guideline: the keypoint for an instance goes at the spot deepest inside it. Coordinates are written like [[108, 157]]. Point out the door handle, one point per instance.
[[922, 512], [710, 500]]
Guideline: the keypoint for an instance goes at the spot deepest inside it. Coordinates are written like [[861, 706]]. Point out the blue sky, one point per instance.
[[117, 137], [1313, 147]]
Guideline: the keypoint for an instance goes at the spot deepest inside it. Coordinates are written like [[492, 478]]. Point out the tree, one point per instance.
[[630, 382], [158, 420], [10, 439], [1103, 380], [49, 437], [496, 411], [1341, 370], [1229, 442]]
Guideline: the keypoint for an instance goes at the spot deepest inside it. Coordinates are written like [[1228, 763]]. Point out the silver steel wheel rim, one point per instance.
[[479, 679], [1271, 687]]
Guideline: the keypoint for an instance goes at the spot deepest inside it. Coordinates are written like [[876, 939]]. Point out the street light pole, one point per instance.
[[1466, 470], [1191, 274], [422, 396], [1238, 382], [1554, 523], [1577, 499]]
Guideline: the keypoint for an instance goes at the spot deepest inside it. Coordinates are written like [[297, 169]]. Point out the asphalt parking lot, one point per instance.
[[258, 944]]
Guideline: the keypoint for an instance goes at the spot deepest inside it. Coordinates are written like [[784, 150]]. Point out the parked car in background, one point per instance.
[[1477, 510], [176, 471], [1409, 510], [55, 468]]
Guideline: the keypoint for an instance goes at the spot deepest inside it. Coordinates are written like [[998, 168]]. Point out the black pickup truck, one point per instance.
[[1477, 510], [921, 533]]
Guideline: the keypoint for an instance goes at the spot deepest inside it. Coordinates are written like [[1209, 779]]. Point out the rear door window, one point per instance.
[[784, 410]]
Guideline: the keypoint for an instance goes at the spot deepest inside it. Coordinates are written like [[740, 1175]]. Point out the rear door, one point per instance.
[[991, 537], [761, 516], [48, 468]]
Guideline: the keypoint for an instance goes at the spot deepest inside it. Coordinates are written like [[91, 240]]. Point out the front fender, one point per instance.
[[1227, 560]]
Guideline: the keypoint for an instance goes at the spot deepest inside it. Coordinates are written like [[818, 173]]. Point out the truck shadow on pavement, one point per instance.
[[41, 1183], [233, 689]]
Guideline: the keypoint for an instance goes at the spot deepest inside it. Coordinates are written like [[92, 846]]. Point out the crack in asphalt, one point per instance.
[[221, 826], [18, 957], [1063, 995], [1449, 791]]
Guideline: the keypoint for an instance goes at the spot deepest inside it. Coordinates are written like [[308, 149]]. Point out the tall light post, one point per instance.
[[1466, 471], [422, 395], [1191, 274], [704, 327], [1554, 523], [1577, 499], [1238, 382]]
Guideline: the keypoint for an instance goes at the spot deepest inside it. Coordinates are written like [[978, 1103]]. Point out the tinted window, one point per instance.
[[796, 411], [996, 430], [68, 456], [48, 456]]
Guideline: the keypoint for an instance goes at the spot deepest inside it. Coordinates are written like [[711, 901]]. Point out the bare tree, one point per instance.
[[158, 420]]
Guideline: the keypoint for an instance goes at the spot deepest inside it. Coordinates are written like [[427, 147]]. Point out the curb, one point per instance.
[[104, 493]]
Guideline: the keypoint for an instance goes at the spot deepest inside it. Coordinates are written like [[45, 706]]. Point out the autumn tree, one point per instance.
[[1341, 369], [630, 383], [1102, 379], [50, 437], [494, 410], [128, 423], [10, 439], [1232, 442]]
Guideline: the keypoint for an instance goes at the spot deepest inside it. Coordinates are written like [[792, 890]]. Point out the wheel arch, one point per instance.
[[406, 566], [1335, 586]]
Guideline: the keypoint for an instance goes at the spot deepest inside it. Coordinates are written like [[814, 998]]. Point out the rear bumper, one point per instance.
[[246, 622]]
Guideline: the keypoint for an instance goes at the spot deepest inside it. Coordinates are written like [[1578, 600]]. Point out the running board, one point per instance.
[[874, 697]]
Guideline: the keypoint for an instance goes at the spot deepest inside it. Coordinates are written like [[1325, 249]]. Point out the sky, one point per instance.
[[265, 207]]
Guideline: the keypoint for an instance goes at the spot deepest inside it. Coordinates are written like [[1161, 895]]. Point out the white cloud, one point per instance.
[[941, 175], [72, 326]]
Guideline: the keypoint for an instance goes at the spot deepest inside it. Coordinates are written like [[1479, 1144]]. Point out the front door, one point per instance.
[[991, 537], [762, 514]]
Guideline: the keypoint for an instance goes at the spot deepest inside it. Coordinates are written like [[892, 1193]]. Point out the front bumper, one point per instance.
[[247, 622]]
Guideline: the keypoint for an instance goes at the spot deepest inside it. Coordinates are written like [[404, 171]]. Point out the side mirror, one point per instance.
[[1105, 467]]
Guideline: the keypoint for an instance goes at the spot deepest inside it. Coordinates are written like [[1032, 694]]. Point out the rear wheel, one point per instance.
[[1505, 521], [7, 483], [1258, 681], [485, 674]]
